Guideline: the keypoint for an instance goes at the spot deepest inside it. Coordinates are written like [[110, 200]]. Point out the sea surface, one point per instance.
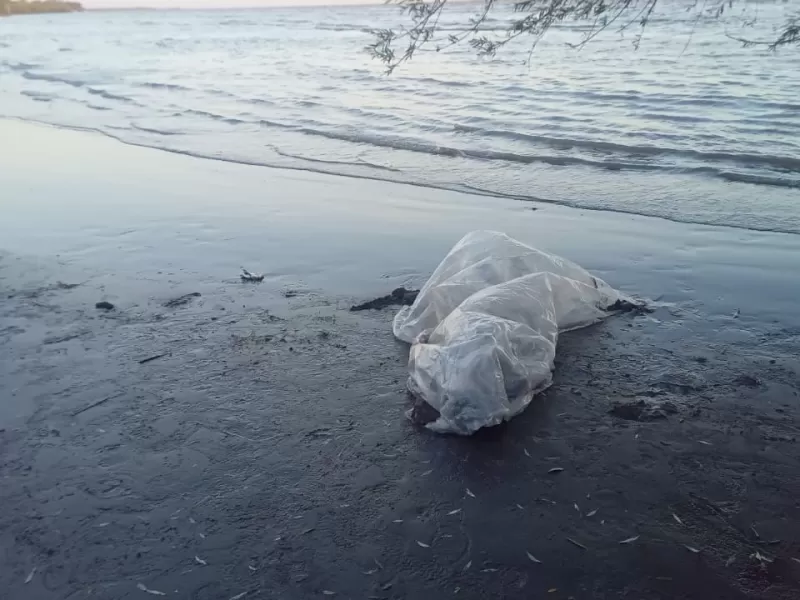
[[690, 127]]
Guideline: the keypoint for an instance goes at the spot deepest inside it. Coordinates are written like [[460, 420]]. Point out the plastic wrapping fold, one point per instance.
[[484, 328]]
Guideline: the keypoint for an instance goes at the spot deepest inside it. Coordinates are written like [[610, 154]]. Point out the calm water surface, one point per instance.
[[691, 127]]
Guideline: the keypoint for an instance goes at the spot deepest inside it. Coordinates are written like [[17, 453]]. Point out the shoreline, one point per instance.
[[424, 211], [468, 190], [265, 450]]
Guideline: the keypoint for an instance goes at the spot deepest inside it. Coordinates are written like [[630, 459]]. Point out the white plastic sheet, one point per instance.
[[484, 328]]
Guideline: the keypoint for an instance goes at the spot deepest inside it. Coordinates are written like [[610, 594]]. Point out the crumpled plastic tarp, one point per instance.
[[484, 328]]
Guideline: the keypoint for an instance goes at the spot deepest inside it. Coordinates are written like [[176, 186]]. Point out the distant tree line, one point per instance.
[[26, 7]]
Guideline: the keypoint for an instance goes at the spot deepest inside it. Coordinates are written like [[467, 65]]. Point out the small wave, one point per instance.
[[444, 82], [234, 22], [783, 182], [153, 130], [97, 107], [212, 116], [276, 124], [38, 96], [417, 146], [258, 101], [108, 95], [173, 87], [779, 162], [646, 99], [53, 78], [673, 118], [340, 27], [20, 66], [730, 101], [358, 163]]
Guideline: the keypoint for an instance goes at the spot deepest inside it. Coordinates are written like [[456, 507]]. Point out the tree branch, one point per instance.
[[393, 48]]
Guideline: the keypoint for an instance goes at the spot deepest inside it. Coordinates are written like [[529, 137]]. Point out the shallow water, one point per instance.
[[691, 127], [150, 221]]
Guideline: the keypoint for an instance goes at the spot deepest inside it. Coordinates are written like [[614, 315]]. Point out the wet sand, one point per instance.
[[266, 453]]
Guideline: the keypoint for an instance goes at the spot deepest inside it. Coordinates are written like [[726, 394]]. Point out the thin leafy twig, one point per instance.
[[534, 18]]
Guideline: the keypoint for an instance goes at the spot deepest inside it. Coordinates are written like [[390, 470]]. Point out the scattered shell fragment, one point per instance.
[[146, 589], [423, 544], [200, 561], [556, 470], [578, 508], [525, 450], [29, 578], [761, 557], [469, 493], [692, 549], [397, 521], [252, 568], [239, 596], [677, 519], [467, 566], [591, 513], [519, 506], [454, 512], [578, 544], [705, 443], [533, 558], [630, 540]]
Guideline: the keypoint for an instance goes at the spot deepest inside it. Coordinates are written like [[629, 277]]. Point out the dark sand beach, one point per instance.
[[250, 441]]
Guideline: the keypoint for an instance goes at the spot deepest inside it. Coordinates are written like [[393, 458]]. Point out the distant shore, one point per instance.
[[26, 7]]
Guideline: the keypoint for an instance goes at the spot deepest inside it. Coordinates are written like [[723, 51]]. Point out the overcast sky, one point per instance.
[[214, 3]]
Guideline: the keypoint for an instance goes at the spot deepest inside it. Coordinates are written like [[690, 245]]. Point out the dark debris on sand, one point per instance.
[[643, 410], [399, 297], [181, 300], [626, 306]]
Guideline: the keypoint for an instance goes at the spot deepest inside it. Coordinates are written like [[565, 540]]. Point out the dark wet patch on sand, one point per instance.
[[270, 451]]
